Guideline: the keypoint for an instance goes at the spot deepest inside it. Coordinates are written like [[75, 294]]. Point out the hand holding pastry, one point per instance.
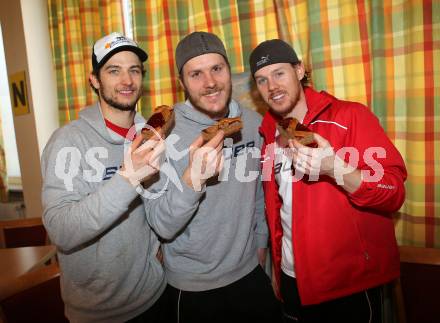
[[142, 160], [205, 160]]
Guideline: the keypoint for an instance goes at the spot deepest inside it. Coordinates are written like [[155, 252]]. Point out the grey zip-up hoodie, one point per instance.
[[218, 244], [106, 249]]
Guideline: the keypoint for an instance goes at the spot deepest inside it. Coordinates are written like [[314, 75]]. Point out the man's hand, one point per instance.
[[262, 255], [323, 161], [205, 161], [142, 160], [159, 255], [313, 161], [275, 286]]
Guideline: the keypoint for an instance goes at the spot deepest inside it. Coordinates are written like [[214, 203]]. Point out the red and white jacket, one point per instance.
[[342, 243]]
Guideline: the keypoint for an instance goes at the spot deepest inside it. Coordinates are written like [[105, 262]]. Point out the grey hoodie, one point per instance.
[[106, 250], [217, 245]]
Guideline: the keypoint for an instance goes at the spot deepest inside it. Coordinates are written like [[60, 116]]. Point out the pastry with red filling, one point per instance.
[[161, 120]]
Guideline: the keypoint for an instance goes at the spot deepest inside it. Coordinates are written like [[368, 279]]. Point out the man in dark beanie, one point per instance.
[[213, 263], [328, 206]]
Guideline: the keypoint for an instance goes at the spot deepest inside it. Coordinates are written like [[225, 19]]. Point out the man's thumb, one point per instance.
[[196, 143], [322, 143]]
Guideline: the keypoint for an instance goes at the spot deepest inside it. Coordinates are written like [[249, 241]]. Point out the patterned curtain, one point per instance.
[[159, 25], [74, 26], [385, 54]]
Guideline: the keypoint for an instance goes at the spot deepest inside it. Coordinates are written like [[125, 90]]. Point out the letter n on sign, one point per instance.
[[18, 93]]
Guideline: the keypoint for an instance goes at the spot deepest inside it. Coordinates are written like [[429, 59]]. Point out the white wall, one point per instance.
[[41, 71], [27, 48], [8, 131]]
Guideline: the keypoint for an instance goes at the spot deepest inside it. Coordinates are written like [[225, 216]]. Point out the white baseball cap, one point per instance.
[[111, 44]]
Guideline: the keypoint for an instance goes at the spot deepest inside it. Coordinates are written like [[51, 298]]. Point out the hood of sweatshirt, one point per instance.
[[92, 115]]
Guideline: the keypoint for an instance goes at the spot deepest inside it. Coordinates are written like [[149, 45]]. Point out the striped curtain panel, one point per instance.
[[159, 25], [385, 54], [74, 26]]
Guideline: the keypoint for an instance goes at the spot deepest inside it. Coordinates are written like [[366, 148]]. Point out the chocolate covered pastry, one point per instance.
[[291, 128], [228, 125]]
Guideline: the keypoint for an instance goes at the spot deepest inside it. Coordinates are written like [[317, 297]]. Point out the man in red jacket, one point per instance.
[[328, 207]]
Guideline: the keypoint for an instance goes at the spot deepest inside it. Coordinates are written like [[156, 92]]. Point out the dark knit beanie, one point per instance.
[[271, 52]]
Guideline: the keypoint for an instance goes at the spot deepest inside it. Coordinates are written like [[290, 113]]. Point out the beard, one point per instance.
[[286, 110], [215, 115], [119, 106], [130, 106]]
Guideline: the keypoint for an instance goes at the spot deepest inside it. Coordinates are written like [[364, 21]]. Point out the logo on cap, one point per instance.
[[119, 40], [263, 60]]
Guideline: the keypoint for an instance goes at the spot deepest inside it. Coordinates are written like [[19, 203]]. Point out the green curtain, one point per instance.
[[159, 25], [74, 26], [384, 54]]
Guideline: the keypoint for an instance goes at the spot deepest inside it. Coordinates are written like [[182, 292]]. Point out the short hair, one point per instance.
[[307, 79]]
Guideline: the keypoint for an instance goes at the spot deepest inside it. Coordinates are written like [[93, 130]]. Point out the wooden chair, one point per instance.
[[33, 297], [416, 292], [22, 233]]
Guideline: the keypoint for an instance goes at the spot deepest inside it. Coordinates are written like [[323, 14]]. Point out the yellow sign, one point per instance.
[[18, 93]]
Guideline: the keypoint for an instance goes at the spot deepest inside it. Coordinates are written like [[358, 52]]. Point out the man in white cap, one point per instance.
[[328, 207], [92, 212]]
